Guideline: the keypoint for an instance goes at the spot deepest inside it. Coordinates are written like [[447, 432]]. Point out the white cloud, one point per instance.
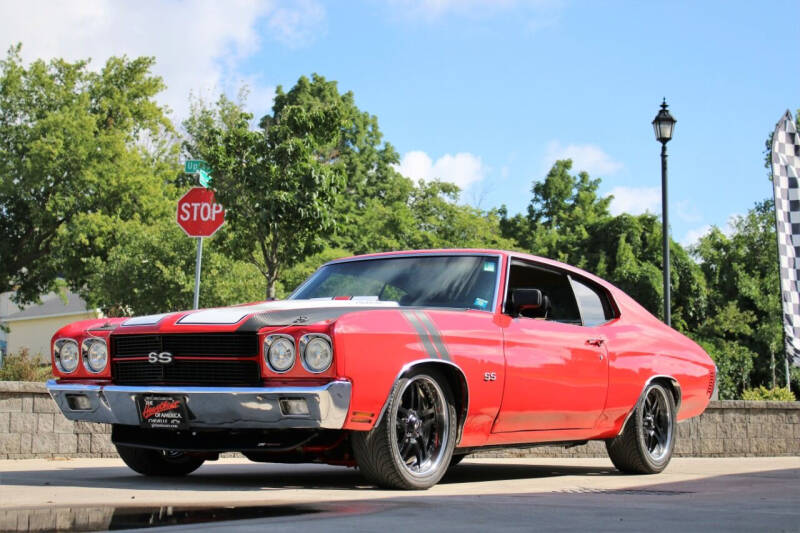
[[297, 25], [198, 45], [463, 168], [694, 235], [635, 200], [586, 157]]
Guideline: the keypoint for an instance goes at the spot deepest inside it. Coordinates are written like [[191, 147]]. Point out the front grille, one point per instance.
[[187, 372], [186, 345], [199, 370]]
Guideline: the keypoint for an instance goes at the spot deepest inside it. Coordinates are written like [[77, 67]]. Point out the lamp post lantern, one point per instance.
[[663, 125]]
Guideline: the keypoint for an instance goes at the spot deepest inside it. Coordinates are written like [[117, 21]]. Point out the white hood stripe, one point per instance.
[[148, 320], [233, 315]]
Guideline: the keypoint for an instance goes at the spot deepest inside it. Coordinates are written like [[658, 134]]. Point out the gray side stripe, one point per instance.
[[423, 335], [435, 335]]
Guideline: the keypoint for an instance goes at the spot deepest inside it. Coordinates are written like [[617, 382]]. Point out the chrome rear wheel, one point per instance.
[[657, 428]]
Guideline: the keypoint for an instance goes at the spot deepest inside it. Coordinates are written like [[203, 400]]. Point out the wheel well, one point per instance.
[[673, 386], [458, 384]]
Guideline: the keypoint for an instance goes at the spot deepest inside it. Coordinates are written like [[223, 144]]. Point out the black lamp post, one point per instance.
[[663, 125]]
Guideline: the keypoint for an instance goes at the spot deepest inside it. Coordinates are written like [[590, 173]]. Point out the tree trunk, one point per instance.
[[772, 365], [272, 279]]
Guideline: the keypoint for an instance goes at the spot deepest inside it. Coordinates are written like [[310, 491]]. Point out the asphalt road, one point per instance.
[[729, 494]]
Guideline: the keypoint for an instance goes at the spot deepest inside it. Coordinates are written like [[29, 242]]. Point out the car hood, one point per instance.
[[250, 317]]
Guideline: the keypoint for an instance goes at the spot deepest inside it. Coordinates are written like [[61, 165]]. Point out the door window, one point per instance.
[[553, 284]]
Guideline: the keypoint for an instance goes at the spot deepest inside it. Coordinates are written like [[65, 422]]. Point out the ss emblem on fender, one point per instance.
[[489, 376], [163, 357]]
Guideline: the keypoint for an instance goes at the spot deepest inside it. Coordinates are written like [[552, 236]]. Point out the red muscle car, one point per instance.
[[399, 363]]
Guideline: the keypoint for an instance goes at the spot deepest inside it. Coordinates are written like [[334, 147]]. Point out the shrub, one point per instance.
[[771, 395], [734, 366], [21, 366]]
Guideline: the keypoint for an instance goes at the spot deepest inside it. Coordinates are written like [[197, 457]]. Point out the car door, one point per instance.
[[556, 367]]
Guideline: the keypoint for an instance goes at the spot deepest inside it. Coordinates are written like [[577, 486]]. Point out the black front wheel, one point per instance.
[[158, 462], [645, 445], [412, 446]]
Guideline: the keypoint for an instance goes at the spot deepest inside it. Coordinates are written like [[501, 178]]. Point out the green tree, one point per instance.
[[636, 267], [78, 150], [317, 175], [150, 269], [561, 209], [279, 183], [567, 220], [741, 270], [429, 216]]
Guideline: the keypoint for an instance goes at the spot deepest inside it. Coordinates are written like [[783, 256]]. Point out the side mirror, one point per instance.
[[526, 299]]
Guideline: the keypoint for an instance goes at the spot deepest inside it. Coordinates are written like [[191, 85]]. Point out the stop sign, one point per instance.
[[198, 214]]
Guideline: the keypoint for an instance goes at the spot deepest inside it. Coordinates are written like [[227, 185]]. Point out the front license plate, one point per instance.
[[162, 412]]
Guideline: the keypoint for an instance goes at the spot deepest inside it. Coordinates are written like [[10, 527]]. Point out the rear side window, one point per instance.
[[594, 306]]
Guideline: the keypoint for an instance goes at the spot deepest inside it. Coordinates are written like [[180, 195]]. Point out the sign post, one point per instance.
[[200, 216], [197, 265]]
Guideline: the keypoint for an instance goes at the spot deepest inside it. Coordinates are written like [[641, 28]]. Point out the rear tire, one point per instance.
[[645, 445], [412, 446], [158, 462]]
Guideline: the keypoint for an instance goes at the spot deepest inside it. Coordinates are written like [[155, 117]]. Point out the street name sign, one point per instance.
[[193, 165]]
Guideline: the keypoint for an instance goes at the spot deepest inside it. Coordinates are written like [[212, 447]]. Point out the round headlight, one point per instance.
[[317, 353], [280, 352], [67, 355], [95, 355]]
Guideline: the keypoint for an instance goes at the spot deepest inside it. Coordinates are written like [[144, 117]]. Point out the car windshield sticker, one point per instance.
[[488, 266], [480, 303]]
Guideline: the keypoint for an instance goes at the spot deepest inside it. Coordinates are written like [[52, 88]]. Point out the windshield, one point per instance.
[[467, 282]]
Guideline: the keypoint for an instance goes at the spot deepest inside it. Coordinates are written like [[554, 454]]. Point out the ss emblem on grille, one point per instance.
[[163, 357]]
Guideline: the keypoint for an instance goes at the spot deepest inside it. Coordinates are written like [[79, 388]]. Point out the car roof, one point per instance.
[[621, 299]]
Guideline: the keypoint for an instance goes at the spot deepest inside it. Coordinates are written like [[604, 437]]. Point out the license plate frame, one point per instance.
[[162, 411]]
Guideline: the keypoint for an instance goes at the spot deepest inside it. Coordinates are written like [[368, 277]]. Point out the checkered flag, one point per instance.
[[785, 170]]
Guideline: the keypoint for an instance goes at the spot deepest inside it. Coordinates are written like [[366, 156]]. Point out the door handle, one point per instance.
[[595, 342]]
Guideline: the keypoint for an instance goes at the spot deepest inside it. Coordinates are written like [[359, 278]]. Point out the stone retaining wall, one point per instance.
[[31, 426], [726, 429]]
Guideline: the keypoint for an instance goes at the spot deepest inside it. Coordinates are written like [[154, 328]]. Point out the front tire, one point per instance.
[[645, 445], [158, 462], [412, 446]]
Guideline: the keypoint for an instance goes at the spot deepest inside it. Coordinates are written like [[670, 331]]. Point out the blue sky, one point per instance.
[[489, 93]]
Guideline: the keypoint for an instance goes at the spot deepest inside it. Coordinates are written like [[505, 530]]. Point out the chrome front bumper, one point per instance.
[[212, 407]]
